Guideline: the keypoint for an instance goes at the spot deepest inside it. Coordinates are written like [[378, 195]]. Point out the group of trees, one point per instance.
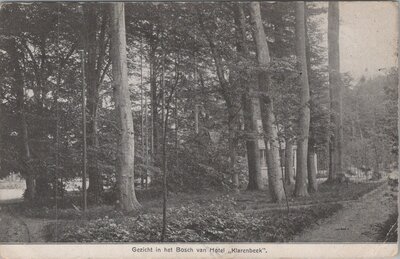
[[370, 117], [185, 89]]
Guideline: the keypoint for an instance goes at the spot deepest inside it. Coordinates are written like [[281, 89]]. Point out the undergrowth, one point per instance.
[[387, 231], [218, 222]]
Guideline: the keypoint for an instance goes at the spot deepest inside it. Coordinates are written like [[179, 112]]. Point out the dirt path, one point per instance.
[[12, 228], [356, 222], [17, 229]]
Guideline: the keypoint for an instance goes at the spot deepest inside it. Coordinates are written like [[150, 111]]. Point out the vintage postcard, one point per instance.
[[199, 129]]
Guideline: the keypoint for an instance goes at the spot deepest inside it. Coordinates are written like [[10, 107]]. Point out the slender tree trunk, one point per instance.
[[275, 180], [226, 90], [335, 86], [233, 143], [176, 119], [95, 47], [232, 151], [164, 122], [289, 174], [90, 13], [146, 143], [251, 109], [30, 178], [312, 169], [304, 116], [311, 157], [25, 148], [126, 152], [154, 103], [2, 121], [164, 171], [398, 101]]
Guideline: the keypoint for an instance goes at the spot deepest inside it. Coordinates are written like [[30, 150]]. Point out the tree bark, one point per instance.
[[126, 152], [95, 47], [304, 116], [154, 103], [398, 91], [92, 102], [2, 121], [335, 86], [251, 114], [275, 180], [233, 143], [251, 109], [25, 152], [164, 122], [311, 157], [29, 176], [289, 174], [312, 169]]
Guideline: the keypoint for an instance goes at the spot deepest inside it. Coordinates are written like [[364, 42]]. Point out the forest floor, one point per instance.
[[12, 229], [256, 201], [356, 222], [15, 228]]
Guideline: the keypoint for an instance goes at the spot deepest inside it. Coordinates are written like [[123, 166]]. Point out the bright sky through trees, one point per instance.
[[368, 37]]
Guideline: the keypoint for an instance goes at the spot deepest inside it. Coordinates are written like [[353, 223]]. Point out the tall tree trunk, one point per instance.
[[275, 180], [29, 175], [304, 116], [24, 148], [154, 103], [232, 149], [126, 151], [2, 121], [252, 114], [312, 169], [289, 173], [311, 162], [228, 95], [164, 123], [251, 109], [95, 47], [335, 86], [398, 97], [92, 104]]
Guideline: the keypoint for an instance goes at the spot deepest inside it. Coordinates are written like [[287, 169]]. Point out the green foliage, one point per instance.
[[201, 166], [220, 222], [391, 104], [48, 53], [370, 121]]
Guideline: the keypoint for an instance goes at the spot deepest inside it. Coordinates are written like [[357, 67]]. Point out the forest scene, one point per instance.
[[196, 122]]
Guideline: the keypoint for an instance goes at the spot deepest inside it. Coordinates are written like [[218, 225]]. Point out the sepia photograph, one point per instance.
[[192, 123]]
